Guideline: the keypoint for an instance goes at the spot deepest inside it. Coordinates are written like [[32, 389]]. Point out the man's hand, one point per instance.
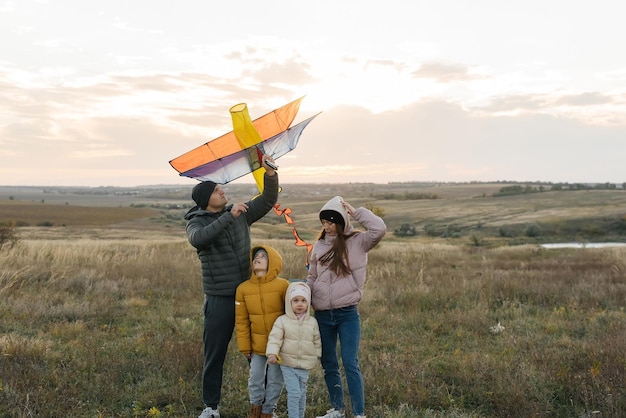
[[269, 170], [238, 209]]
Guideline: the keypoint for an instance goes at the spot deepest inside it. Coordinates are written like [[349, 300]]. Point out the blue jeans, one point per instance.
[[295, 383], [264, 392], [343, 324]]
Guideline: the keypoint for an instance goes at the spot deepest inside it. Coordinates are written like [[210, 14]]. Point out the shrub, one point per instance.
[[406, 230], [476, 240], [506, 231], [377, 210], [8, 236], [533, 230]]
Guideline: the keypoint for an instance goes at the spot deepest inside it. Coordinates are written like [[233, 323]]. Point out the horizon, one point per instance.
[[252, 184]]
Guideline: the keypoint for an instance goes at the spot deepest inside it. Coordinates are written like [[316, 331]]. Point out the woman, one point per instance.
[[337, 278]]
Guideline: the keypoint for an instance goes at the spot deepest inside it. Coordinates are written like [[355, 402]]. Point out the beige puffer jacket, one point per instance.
[[296, 342]]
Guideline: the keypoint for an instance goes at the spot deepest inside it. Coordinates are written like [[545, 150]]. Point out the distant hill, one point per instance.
[[504, 211]]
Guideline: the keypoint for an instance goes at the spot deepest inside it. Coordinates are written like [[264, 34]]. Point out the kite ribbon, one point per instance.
[[299, 241]]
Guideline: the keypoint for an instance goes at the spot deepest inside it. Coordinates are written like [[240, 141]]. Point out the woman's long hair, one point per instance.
[[337, 256]]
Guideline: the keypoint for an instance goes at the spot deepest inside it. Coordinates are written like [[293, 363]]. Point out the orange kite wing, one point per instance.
[[267, 126]]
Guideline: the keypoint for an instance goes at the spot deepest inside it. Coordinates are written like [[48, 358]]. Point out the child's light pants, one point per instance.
[[295, 383], [258, 389]]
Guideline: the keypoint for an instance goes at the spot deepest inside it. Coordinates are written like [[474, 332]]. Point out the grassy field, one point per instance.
[[105, 319], [453, 212], [55, 215]]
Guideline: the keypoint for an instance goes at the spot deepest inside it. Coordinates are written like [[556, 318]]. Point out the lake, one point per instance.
[[584, 245]]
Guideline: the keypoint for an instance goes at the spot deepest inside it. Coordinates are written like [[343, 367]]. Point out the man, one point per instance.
[[221, 235]]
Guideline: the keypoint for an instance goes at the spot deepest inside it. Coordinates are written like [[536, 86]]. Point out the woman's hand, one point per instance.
[[348, 207]]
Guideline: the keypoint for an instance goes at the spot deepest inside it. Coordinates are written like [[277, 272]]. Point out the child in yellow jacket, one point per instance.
[[258, 302]]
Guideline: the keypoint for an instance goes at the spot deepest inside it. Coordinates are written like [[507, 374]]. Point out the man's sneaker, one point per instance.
[[333, 413], [210, 413]]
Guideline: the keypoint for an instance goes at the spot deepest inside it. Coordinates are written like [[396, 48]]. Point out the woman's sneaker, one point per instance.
[[333, 413], [210, 413]]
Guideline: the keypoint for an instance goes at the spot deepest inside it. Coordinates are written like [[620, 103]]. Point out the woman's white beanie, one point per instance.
[[334, 212]]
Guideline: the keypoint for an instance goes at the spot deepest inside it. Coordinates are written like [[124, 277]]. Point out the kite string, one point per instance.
[[286, 213]]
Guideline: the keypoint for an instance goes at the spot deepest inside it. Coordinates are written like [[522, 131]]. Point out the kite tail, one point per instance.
[[299, 241]]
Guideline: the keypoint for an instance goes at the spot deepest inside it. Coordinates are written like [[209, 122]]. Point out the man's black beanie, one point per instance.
[[202, 192]]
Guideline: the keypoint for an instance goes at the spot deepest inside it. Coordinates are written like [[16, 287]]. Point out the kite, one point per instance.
[[240, 151]]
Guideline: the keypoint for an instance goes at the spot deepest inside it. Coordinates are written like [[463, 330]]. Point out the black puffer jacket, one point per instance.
[[223, 242]]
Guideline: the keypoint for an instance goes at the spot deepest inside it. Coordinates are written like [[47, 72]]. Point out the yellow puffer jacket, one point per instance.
[[258, 302]]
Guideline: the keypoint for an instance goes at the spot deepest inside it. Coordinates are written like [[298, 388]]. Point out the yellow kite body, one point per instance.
[[247, 136]]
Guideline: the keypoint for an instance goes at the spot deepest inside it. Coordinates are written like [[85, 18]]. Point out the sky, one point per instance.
[[106, 93]]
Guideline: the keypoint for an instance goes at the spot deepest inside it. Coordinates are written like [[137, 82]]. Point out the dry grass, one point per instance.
[[468, 207], [112, 328], [32, 214], [102, 316]]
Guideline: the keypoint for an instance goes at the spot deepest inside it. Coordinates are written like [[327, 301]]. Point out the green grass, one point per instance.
[[112, 328]]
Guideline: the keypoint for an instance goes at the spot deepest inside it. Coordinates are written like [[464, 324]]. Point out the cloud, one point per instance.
[[130, 104], [587, 108], [427, 141], [613, 75], [107, 152], [392, 64], [290, 72], [584, 99], [445, 73], [7, 6], [435, 140], [516, 102]]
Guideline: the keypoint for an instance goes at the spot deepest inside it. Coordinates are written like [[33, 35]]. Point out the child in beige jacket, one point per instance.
[[295, 344]]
